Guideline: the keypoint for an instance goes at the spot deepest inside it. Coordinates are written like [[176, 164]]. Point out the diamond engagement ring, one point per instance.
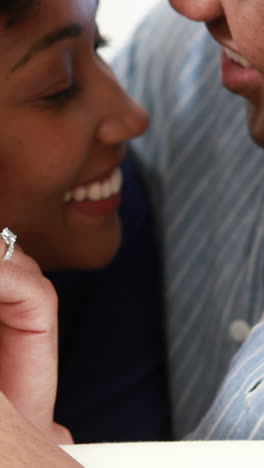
[[9, 238]]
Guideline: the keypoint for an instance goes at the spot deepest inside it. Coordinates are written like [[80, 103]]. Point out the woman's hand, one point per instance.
[[28, 341]]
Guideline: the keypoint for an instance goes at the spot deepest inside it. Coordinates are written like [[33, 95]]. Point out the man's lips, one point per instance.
[[237, 74], [237, 58]]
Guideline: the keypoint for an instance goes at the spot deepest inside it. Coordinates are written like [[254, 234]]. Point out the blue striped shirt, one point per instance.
[[205, 177]]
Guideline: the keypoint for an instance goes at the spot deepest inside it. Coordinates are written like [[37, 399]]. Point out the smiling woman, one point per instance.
[[64, 126], [76, 113]]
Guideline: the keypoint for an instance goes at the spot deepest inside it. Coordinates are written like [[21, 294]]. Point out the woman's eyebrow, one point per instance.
[[71, 30]]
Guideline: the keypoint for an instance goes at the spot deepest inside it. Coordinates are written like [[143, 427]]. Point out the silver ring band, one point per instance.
[[9, 238]]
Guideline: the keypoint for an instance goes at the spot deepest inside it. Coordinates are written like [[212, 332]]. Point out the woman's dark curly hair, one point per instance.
[[15, 10]]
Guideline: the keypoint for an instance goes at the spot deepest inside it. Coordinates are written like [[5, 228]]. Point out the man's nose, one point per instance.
[[199, 10]]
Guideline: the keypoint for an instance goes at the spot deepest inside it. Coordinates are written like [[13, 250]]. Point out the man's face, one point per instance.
[[238, 25], [64, 121]]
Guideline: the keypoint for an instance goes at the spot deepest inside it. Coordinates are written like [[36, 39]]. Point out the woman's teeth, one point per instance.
[[98, 190], [237, 58]]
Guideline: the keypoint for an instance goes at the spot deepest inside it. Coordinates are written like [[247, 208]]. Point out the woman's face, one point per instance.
[[64, 121]]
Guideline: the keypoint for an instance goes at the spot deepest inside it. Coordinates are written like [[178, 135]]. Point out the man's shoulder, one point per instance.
[[237, 412]]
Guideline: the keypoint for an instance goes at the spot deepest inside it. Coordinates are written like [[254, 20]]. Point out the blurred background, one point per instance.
[[118, 18]]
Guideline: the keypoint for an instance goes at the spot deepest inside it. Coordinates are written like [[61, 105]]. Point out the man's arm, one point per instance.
[[237, 412], [210, 281], [21, 445]]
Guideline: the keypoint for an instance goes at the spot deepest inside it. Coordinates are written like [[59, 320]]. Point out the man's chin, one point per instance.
[[255, 117]]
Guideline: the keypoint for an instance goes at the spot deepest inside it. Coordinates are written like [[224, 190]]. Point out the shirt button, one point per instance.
[[239, 330]]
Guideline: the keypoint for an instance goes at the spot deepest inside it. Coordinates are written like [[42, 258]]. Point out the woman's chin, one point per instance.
[[103, 249], [104, 256], [91, 252]]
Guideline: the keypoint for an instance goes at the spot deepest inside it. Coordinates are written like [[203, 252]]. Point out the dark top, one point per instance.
[[112, 375]]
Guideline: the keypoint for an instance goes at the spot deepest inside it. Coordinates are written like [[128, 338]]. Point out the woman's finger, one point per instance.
[[2, 248], [17, 257], [27, 298]]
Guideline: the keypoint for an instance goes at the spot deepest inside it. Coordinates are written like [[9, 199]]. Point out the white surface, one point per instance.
[[118, 18], [170, 455]]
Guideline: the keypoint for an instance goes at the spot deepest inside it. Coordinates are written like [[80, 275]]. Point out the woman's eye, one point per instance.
[[64, 96], [61, 98]]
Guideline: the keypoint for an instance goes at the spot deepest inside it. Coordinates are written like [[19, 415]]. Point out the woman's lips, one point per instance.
[[237, 74], [100, 197], [102, 208]]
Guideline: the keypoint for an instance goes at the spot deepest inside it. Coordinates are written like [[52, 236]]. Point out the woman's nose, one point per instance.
[[125, 121], [199, 10], [120, 118]]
